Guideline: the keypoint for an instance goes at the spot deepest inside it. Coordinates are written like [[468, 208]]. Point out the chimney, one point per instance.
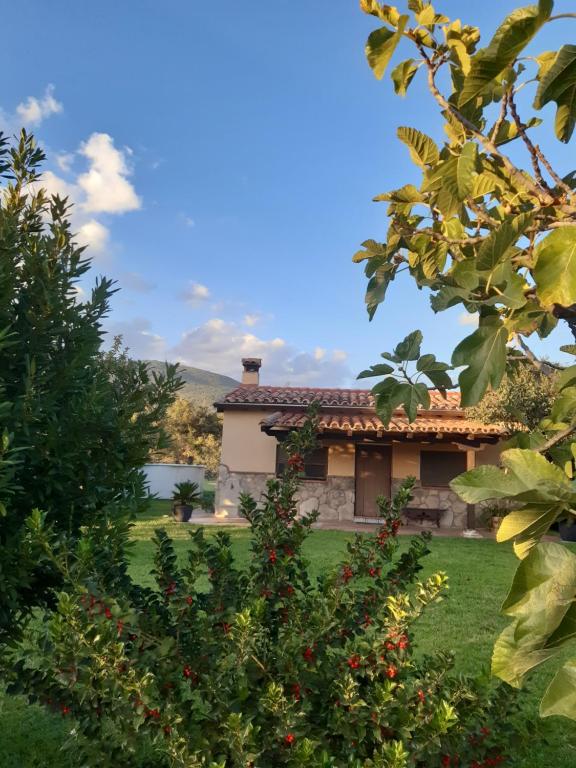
[[251, 373]]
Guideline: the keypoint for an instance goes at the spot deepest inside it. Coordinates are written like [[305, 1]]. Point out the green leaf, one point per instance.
[[381, 369], [406, 194], [535, 470], [486, 483], [411, 396], [381, 45], [484, 355], [386, 13], [558, 83], [448, 296], [555, 270], [567, 377], [526, 521], [564, 407], [465, 169], [508, 131], [409, 348], [423, 150], [540, 600], [426, 16], [511, 37], [377, 287], [435, 371], [500, 240], [402, 75], [560, 697]]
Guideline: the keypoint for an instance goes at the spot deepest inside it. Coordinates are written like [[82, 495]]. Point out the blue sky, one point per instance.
[[223, 157]]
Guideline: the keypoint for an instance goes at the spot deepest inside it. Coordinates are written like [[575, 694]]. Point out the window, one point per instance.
[[439, 467], [315, 464]]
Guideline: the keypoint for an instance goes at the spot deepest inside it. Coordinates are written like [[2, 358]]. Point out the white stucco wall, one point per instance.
[[163, 477]]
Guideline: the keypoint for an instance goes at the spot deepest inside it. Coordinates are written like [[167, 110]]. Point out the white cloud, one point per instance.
[[251, 319], [133, 281], [138, 337], [79, 294], [64, 161], [218, 346], [195, 294], [33, 111], [188, 221], [466, 318], [338, 355], [319, 353], [94, 235], [105, 185], [103, 188]]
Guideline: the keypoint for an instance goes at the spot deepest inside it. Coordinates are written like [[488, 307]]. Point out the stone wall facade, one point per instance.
[[439, 498], [333, 497]]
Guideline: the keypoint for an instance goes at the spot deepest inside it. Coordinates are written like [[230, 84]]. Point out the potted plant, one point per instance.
[[492, 516], [186, 496]]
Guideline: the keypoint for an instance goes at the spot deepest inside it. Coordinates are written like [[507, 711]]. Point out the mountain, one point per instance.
[[200, 387]]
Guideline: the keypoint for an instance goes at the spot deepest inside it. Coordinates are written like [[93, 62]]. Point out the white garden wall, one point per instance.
[[163, 477]]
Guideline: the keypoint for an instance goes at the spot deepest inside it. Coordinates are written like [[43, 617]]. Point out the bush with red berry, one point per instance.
[[258, 667]]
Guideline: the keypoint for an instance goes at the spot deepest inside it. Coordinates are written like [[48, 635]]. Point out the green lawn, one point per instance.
[[466, 622]]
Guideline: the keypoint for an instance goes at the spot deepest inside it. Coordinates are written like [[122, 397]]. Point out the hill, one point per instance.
[[201, 387]]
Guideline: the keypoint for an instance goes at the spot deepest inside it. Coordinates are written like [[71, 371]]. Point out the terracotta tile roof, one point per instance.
[[332, 398], [283, 420]]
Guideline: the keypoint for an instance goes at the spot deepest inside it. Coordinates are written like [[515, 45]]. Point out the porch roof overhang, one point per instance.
[[369, 426]]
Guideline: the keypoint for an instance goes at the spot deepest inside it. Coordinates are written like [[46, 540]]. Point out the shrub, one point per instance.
[[220, 667], [75, 424]]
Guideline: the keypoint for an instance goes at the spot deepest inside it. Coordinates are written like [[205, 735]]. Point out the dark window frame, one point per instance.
[[433, 476], [311, 464]]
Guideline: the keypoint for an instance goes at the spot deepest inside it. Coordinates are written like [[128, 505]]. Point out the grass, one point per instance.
[[466, 622]]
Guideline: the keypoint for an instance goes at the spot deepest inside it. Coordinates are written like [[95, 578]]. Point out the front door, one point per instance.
[[373, 477]]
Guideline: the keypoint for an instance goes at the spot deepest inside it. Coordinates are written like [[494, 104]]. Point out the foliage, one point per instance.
[[75, 426], [525, 396], [496, 236], [195, 434], [187, 493], [222, 667]]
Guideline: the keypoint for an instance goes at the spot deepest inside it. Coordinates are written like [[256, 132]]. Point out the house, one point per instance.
[[358, 456]]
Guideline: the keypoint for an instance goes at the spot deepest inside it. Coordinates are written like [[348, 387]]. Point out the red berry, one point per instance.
[[391, 671], [308, 654], [108, 613], [354, 661], [187, 671], [189, 600], [390, 646], [167, 730], [421, 696], [289, 739], [485, 731], [347, 573], [446, 760]]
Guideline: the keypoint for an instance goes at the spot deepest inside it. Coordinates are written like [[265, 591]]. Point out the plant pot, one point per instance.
[[182, 513], [567, 531]]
